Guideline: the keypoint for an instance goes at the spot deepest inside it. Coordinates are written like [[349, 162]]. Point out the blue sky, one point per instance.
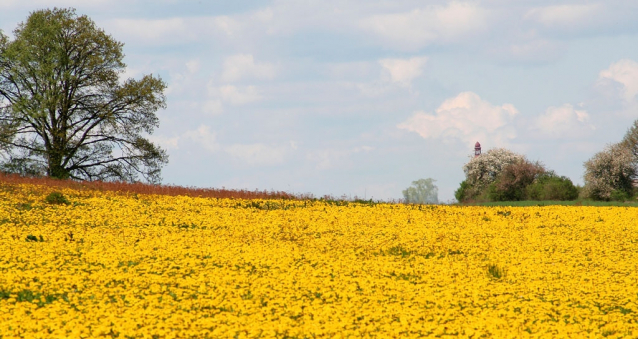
[[364, 97]]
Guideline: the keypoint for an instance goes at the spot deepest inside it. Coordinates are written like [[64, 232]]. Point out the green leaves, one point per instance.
[[495, 272], [56, 198], [63, 110], [33, 238]]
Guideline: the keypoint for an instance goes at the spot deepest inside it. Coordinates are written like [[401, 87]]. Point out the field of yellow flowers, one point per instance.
[[125, 265]]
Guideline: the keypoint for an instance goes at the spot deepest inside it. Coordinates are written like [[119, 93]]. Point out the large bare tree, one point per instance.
[[65, 112]]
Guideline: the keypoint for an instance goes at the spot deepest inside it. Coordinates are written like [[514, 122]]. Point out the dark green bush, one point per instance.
[[494, 193], [31, 237], [525, 180], [496, 272], [549, 186], [619, 195], [461, 193], [56, 198]]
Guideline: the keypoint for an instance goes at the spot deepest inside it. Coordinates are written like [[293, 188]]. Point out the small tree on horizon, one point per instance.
[[422, 191], [64, 111]]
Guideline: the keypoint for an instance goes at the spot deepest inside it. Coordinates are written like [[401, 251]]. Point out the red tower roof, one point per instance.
[[477, 144]]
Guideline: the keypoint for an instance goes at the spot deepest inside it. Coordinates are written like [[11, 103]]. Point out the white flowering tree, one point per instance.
[[612, 169], [483, 170], [631, 140]]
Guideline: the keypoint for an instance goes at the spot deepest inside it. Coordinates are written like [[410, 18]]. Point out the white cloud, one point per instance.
[[251, 154], [241, 66], [535, 50], [352, 70], [193, 66], [227, 25], [264, 15], [60, 4], [165, 142], [236, 96], [363, 149], [563, 122], [257, 154], [212, 107], [434, 24], [130, 73], [373, 89], [330, 158], [403, 71], [156, 30], [624, 72], [565, 16], [324, 159], [178, 30], [466, 117], [203, 136]]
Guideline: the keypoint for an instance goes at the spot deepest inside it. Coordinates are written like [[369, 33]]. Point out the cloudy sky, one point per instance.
[[363, 97]]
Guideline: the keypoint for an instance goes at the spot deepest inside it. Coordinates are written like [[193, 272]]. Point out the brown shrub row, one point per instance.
[[141, 188]]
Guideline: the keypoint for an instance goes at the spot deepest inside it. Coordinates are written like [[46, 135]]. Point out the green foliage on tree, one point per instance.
[[422, 191], [461, 194], [549, 186], [65, 113], [502, 175], [511, 184]]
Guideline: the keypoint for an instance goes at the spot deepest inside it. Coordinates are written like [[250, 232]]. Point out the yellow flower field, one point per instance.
[[128, 266]]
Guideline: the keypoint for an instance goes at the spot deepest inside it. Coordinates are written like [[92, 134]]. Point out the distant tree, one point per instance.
[[609, 174], [422, 191], [64, 111]]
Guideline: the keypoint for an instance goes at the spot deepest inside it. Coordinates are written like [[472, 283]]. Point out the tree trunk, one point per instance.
[[56, 170]]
